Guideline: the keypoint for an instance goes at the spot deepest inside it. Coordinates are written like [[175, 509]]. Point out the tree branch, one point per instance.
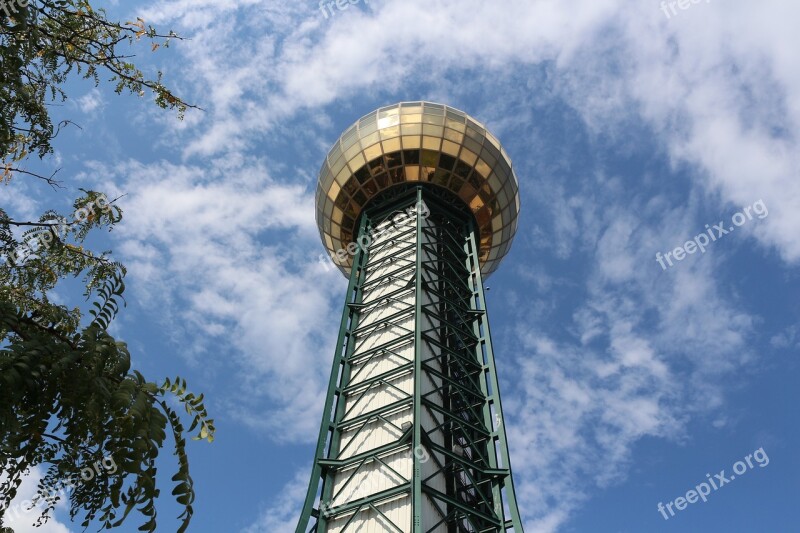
[[55, 184]]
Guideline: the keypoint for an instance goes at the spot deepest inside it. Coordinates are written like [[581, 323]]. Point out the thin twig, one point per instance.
[[55, 184]]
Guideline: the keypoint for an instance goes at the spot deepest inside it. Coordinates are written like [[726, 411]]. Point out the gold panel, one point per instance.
[[372, 152], [476, 204], [467, 192], [409, 109], [411, 119], [450, 148], [391, 145], [343, 176], [431, 143], [371, 139], [482, 167], [497, 221], [358, 161], [457, 126], [433, 131], [334, 190], [350, 152], [495, 182], [432, 119], [492, 139], [349, 136], [468, 157], [388, 121], [453, 135], [411, 129], [488, 156], [388, 133], [412, 172], [338, 215], [338, 166], [411, 143]]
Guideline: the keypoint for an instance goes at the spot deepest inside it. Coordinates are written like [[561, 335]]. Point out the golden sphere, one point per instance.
[[419, 142]]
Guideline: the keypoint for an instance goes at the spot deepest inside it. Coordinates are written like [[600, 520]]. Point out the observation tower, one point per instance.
[[416, 204]]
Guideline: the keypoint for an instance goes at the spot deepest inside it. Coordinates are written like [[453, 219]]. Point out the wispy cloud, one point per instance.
[[280, 514], [90, 101], [24, 520], [231, 257]]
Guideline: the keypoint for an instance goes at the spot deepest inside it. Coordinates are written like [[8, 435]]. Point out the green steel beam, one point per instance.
[[416, 482], [326, 427], [477, 286]]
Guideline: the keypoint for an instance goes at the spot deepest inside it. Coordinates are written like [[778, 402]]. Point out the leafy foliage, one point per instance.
[[71, 401], [69, 398], [41, 44], [68, 395]]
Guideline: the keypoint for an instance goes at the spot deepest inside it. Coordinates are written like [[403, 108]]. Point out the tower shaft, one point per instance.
[[412, 437]]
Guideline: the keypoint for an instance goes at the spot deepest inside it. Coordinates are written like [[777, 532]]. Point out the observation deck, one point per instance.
[[411, 143]]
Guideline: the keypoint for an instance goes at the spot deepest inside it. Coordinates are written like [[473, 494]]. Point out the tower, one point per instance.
[[416, 204]]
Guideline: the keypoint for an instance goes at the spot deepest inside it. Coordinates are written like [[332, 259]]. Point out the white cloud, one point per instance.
[[646, 350], [715, 83], [231, 258], [21, 518], [90, 101], [282, 511], [789, 338]]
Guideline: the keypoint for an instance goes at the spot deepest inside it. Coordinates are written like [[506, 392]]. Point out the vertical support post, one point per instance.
[[499, 438], [344, 345], [416, 494]]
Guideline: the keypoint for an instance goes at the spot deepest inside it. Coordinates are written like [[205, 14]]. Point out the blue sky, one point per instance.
[[630, 127]]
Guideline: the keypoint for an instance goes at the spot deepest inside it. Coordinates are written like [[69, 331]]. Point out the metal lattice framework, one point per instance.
[[413, 372]]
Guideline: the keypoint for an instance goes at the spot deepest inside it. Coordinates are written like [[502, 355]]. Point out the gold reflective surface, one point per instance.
[[419, 142]]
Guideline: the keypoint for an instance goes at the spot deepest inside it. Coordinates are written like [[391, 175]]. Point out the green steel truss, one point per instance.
[[464, 437]]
